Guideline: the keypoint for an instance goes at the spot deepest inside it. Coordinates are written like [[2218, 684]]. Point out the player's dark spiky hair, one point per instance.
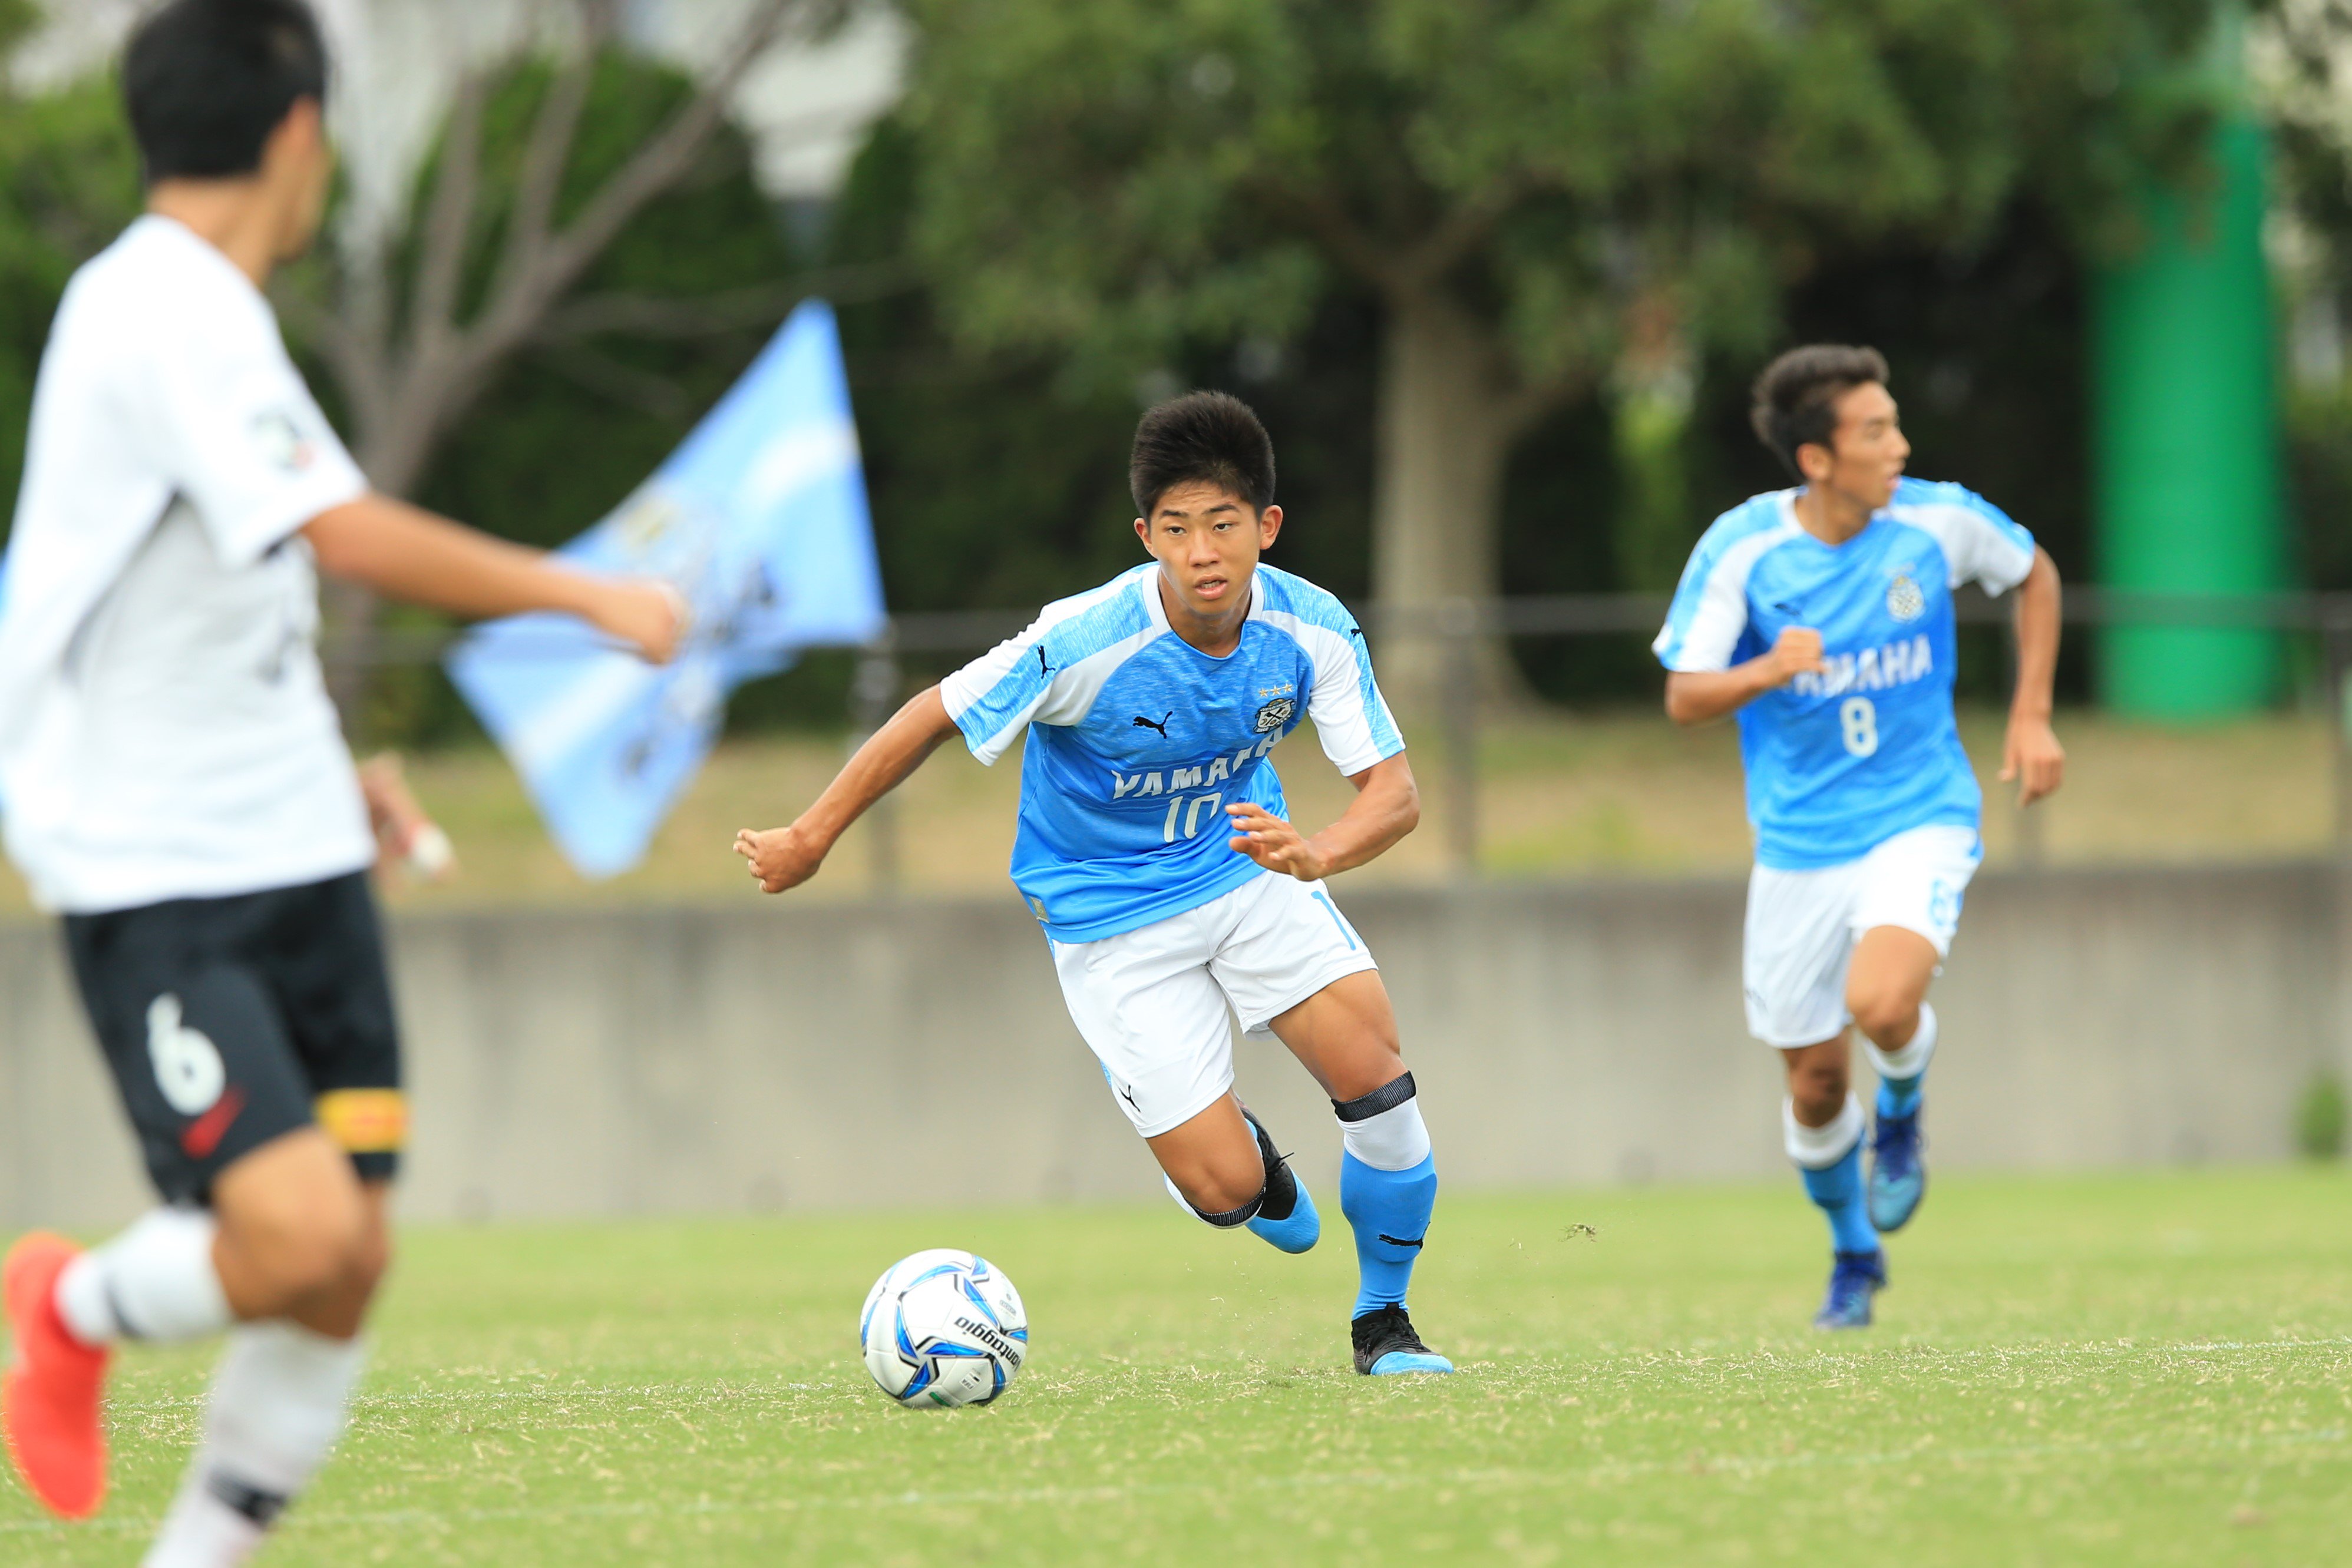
[[1208, 438], [1796, 397], [208, 80]]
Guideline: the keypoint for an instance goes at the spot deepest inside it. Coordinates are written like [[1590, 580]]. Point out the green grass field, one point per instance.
[[2141, 1369]]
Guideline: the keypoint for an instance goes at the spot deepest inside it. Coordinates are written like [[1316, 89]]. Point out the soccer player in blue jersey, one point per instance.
[[1823, 617], [1155, 849]]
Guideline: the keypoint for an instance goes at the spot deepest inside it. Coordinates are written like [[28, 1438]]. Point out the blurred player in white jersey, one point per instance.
[[177, 787], [1156, 850], [1822, 616]]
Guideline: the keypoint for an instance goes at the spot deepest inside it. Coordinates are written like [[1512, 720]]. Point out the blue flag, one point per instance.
[[760, 520]]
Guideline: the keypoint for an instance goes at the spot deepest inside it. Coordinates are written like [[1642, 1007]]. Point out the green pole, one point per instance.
[[2186, 434]]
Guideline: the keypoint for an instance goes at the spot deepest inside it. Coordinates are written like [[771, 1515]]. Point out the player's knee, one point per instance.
[[1373, 1066], [298, 1242], [1885, 1017], [368, 1261], [1223, 1180], [1219, 1190], [320, 1254]]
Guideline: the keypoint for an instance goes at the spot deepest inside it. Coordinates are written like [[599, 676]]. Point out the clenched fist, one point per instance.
[[780, 857], [1796, 652]]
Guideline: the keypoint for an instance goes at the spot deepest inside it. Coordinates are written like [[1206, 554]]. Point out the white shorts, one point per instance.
[[1151, 1002], [1802, 926]]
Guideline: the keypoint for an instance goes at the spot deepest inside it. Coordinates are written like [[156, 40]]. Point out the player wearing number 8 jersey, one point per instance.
[[1822, 616], [1154, 847]]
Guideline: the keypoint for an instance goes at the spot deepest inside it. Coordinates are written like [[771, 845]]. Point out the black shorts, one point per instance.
[[230, 1021]]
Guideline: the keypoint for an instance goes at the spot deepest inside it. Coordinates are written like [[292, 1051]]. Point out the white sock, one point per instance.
[[1819, 1149], [156, 1282], [1912, 1060], [277, 1407], [1395, 1139]]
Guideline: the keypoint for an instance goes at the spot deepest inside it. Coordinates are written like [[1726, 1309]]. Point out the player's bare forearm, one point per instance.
[[1702, 696], [2040, 605], [2031, 755], [407, 553], [785, 857], [1386, 808]]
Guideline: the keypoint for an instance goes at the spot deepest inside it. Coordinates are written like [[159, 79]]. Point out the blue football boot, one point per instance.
[[1898, 1178], [1286, 1219], [1386, 1345], [1854, 1278]]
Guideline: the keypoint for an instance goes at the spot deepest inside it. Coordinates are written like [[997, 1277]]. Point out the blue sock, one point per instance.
[[1899, 1097], [1390, 1213], [1838, 1190]]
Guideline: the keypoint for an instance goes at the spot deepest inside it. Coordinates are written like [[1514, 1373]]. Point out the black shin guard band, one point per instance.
[[1281, 1195], [1232, 1216], [1386, 1097], [261, 1507]]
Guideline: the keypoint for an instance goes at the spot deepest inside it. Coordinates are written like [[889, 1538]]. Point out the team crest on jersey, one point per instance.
[[1276, 713], [281, 440], [1903, 600]]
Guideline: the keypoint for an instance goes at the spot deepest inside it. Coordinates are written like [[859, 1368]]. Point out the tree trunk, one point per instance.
[[1445, 431]]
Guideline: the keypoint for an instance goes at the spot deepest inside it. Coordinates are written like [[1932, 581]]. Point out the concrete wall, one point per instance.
[[772, 1056]]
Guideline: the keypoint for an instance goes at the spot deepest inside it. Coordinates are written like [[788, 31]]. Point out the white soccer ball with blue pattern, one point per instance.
[[944, 1327]]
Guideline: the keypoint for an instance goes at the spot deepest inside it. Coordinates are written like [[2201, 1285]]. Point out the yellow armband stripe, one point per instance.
[[364, 1121]]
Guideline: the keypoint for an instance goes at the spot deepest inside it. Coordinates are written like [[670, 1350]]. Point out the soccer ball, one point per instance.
[[943, 1327]]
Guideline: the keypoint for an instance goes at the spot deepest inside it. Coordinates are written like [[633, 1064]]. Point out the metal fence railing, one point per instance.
[[1462, 627]]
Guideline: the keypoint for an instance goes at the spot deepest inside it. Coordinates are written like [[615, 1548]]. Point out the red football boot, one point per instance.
[[50, 1397]]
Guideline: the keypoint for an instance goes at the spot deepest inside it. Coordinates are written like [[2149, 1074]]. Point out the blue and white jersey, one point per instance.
[[1840, 762], [1139, 741]]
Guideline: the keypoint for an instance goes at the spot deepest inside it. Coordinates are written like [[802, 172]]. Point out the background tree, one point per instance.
[[1550, 200], [414, 322], [2302, 54], [68, 182]]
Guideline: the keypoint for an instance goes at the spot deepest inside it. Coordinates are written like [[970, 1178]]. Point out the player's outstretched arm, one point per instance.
[[788, 856], [1701, 696], [408, 553], [2030, 756], [1386, 808]]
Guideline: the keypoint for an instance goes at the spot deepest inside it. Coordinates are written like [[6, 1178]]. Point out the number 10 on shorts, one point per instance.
[[1859, 719]]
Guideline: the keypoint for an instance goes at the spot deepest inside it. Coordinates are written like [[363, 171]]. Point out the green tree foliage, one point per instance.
[[2305, 54], [1552, 201], [586, 414], [582, 417], [68, 182]]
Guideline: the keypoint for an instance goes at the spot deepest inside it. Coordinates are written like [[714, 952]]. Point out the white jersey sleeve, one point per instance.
[[1709, 611], [1351, 718], [225, 418], [1050, 673], [1980, 541]]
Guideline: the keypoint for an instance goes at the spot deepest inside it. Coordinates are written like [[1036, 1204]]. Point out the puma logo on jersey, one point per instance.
[[1043, 668], [1159, 724], [1873, 669]]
